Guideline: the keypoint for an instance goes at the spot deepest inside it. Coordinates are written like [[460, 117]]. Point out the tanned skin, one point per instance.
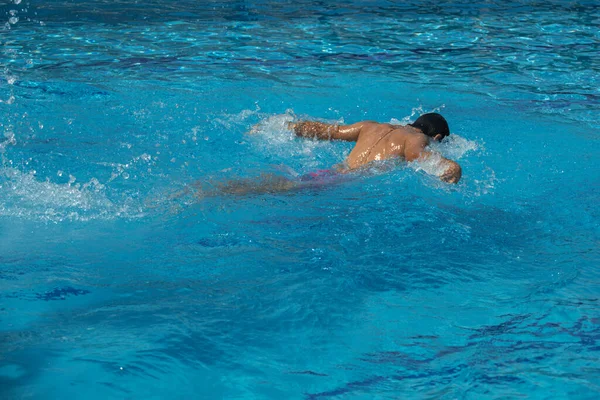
[[375, 141]]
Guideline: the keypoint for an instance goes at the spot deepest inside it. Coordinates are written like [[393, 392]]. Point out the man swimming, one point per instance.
[[376, 141]]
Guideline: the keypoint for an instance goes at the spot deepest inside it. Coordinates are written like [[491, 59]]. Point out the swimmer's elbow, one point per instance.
[[453, 172]]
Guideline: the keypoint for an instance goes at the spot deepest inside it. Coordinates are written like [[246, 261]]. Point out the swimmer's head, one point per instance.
[[432, 125]]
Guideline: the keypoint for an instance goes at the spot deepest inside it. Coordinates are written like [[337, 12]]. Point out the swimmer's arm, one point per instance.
[[415, 151], [319, 130]]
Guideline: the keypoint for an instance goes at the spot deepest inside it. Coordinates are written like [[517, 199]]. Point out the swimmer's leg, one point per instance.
[[266, 183]]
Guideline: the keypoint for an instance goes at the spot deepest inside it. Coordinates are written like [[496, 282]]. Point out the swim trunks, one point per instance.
[[318, 176]]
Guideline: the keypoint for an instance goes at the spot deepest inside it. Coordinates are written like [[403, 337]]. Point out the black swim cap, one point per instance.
[[432, 124]]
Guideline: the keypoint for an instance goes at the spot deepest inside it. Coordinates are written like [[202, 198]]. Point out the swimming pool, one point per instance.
[[116, 282]]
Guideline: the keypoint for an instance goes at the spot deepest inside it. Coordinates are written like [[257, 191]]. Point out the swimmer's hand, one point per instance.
[[256, 129], [432, 162], [272, 123], [452, 173]]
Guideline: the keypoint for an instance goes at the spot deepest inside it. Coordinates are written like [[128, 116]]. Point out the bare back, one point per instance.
[[382, 141]]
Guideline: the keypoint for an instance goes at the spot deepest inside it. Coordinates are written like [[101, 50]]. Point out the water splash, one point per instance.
[[455, 147], [272, 137], [23, 195], [274, 129]]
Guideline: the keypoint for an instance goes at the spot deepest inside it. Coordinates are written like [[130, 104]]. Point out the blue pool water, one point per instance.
[[116, 282]]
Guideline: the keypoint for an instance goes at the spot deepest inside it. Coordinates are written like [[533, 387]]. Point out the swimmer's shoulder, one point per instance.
[[404, 137], [376, 129], [411, 134]]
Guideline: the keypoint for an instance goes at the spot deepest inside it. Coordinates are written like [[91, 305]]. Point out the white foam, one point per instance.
[[23, 195], [274, 128], [455, 147], [273, 137], [432, 165]]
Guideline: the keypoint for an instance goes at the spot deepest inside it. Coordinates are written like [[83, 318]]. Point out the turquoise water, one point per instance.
[[116, 282]]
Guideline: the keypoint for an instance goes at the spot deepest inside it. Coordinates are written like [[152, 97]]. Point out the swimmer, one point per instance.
[[376, 141]]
